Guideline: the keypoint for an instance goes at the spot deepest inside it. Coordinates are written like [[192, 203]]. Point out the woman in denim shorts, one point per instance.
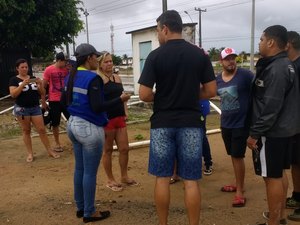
[[27, 90]]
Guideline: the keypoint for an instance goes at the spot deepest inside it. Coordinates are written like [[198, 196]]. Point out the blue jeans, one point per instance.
[[87, 140], [206, 148]]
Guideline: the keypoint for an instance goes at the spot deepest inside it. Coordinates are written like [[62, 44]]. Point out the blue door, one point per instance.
[[145, 49]]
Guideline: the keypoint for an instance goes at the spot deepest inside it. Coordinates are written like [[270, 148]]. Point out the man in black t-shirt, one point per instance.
[[183, 74]]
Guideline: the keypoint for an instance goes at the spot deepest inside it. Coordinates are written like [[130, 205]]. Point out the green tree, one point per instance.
[[40, 25], [243, 54], [117, 60], [214, 54], [239, 59]]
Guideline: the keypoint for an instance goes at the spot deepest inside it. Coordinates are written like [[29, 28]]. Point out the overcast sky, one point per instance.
[[227, 23]]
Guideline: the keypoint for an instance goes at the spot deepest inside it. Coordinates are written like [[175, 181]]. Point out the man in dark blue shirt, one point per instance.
[[234, 86]]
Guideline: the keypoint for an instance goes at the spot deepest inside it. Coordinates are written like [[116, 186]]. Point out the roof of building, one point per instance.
[[152, 27]]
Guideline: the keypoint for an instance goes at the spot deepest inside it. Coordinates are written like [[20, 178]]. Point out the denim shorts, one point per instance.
[[30, 111], [183, 145]]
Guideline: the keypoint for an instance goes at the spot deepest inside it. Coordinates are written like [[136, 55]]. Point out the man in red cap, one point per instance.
[[234, 86]]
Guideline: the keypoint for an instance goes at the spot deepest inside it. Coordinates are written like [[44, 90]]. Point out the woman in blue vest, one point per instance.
[[85, 101]]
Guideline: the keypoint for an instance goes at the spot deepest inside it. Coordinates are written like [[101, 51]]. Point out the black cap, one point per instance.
[[86, 49], [61, 56]]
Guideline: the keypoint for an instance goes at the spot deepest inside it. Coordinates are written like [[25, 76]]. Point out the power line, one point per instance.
[[109, 3], [136, 24], [139, 23], [122, 5], [148, 21]]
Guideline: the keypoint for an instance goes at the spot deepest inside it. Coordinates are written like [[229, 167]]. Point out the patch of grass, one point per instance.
[[10, 133], [137, 113], [139, 137]]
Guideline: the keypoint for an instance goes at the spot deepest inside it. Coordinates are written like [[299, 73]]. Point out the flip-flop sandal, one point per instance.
[[228, 188], [55, 156], [239, 201], [58, 149], [29, 159], [131, 183], [114, 187]]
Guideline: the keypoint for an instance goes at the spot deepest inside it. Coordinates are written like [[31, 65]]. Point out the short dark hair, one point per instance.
[[294, 39], [172, 20], [19, 61], [61, 56], [279, 34]]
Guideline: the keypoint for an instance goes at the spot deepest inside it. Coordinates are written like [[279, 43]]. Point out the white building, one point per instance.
[[145, 40], [127, 61]]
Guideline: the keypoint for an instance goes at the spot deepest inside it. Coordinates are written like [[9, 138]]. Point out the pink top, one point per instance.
[[55, 77]]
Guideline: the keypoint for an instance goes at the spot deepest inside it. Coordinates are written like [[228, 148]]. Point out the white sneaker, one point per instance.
[[208, 170]]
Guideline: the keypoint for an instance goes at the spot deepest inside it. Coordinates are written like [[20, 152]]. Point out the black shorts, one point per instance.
[[272, 156], [235, 140], [296, 150], [56, 108]]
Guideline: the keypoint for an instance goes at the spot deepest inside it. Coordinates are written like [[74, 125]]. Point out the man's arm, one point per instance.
[[208, 90], [146, 94]]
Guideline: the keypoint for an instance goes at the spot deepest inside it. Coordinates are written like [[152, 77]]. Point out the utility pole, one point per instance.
[[164, 5], [200, 25], [112, 38], [67, 49], [252, 37], [73, 41], [87, 25]]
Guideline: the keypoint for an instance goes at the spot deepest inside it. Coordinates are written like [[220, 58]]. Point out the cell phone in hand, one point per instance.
[[128, 93], [32, 80]]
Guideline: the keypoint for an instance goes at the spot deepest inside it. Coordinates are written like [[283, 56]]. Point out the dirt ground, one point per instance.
[[41, 193]]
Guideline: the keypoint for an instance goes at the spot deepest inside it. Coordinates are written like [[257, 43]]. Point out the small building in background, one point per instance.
[[145, 40], [127, 62]]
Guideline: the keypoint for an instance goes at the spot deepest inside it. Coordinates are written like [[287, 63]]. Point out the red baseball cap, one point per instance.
[[226, 52]]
